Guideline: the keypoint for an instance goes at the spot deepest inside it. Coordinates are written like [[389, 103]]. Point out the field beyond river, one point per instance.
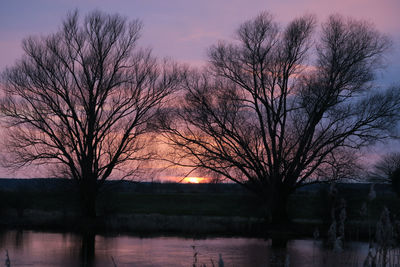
[[186, 209]]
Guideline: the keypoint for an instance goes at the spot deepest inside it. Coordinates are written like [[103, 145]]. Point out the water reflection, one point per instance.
[[89, 250]]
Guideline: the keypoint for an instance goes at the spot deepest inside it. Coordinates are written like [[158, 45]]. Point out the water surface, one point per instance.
[[30, 248]]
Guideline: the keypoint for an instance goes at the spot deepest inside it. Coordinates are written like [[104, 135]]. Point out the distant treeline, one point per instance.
[[56, 184]]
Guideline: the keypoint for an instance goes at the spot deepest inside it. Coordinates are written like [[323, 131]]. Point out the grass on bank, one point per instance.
[[302, 205]]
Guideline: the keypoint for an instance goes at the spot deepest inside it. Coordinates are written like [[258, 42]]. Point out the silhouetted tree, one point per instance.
[[385, 167], [387, 170], [272, 116], [82, 99], [395, 181]]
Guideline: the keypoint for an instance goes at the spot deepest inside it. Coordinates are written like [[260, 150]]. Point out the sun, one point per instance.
[[194, 180]]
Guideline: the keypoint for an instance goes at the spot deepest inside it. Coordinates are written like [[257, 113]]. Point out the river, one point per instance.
[[45, 249]]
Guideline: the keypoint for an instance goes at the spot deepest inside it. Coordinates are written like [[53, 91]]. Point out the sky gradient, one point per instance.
[[184, 29]]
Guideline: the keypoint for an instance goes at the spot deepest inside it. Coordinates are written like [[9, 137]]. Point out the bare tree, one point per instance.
[[272, 116], [395, 181], [83, 98], [385, 167], [387, 170]]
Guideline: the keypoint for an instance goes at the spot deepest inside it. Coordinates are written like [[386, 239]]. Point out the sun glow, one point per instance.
[[195, 180]]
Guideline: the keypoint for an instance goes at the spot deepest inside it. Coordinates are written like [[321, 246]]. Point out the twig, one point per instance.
[[8, 262], [113, 261]]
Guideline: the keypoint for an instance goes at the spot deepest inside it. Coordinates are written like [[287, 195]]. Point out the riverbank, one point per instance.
[[180, 225], [194, 211]]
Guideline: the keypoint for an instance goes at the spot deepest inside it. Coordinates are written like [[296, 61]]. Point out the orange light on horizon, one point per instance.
[[195, 180]]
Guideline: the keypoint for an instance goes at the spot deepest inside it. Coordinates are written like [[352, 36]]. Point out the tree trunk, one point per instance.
[[278, 205], [88, 191], [280, 209]]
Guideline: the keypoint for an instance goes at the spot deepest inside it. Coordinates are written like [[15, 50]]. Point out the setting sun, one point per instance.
[[195, 180]]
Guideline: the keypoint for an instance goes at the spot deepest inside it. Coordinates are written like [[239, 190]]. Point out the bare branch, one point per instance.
[[84, 97], [268, 115]]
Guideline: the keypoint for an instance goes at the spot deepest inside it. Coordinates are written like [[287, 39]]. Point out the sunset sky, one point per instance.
[[184, 29]]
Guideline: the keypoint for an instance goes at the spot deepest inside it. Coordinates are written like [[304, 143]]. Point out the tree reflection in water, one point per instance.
[[87, 251], [90, 250]]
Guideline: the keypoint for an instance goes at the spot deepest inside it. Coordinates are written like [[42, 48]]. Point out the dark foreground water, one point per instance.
[[29, 248]]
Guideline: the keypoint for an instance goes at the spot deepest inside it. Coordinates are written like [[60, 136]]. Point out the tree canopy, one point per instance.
[[281, 107], [82, 99]]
